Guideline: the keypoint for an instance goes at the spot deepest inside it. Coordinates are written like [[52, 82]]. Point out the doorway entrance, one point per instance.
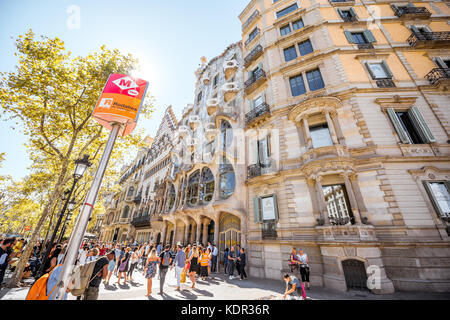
[[229, 233], [355, 274]]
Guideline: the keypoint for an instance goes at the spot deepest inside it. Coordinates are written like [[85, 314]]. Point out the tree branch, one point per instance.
[[41, 128]]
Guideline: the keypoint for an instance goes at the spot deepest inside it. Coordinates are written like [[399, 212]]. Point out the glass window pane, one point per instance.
[[305, 47], [320, 136], [297, 85], [285, 30], [298, 24], [290, 53], [315, 81], [358, 37], [287, 10], [442, 197], [378, 71]]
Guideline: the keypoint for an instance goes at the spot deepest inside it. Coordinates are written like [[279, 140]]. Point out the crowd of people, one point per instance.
[[117, 262]]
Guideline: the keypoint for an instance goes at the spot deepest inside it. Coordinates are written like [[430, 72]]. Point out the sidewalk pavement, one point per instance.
[[219, 287]]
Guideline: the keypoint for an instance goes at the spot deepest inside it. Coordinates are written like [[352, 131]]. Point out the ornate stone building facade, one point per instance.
[[325, 129], [347, 111]]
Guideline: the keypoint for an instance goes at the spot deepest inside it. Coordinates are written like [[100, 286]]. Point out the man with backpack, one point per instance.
[[100, 272], [165, 261]]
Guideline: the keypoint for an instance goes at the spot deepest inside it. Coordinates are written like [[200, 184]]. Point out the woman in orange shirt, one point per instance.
[[204, 261]]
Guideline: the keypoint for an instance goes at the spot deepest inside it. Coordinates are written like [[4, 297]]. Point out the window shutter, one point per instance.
[[268, 145], [255, 150], [432, 198], [260, 65], [411, 5], [349, 36], [340, 13], [369, 36], [402, 134], [421, 125], [440, 62], [252, 104], [263, 95], [257, 209], [370, 70], [394, 7], [414, 29], [386, 68], [275, 206], [353, 12]]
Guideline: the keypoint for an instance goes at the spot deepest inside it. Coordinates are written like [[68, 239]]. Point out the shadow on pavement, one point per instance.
[[203, 292], [188, 295]]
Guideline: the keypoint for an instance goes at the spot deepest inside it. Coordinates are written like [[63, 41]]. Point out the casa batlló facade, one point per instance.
[[325, 128]]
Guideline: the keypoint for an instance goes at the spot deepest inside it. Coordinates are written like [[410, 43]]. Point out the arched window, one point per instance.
[[226, 133], [171, 197], [227, 179], [207, 186], [125, 212], [130, 191], [192, 188]]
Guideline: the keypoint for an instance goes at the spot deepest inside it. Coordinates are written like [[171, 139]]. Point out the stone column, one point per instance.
[[352, 199], [186, 233], [307, 134], [205, 231], [174, 232], [321, 199], [197, 233], [331, 128], [216, 232]]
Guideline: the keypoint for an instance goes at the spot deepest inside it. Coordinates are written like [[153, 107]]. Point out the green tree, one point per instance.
[[53, 94]]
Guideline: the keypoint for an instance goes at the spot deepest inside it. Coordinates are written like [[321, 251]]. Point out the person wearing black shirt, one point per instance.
[[165, 262], [231, 259], [5, 252], [241, 259], [100, 272]]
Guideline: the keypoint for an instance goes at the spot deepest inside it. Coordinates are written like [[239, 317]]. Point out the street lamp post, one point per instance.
[[80, 168], [70, 208]]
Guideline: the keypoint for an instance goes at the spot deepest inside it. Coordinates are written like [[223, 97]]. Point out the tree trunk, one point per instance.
[[37, 230]]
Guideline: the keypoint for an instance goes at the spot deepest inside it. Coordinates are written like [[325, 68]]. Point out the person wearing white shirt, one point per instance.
[[82, 255], [215, 253]]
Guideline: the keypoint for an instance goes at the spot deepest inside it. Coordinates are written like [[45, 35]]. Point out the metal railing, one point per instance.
[[269, 230], [250, 20], [349, 19], [253, 55], [137, 199], [263, 108], [421, 11], [438, 74], [367, 45], [341, 221], [254, 170], [141, 221], [385, 83], [259, 74], [250, 39], [415, 37]]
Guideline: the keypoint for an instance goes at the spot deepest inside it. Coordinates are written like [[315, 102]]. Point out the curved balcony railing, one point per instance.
[[425, 37], [258, 111], [438, 74], [142, 221], [256, 52]]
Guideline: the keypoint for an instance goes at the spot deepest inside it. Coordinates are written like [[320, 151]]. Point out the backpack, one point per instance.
[[166, 259], [81, 276], [38, 290]]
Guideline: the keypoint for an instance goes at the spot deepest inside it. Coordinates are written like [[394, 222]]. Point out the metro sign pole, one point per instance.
[[125, 96]]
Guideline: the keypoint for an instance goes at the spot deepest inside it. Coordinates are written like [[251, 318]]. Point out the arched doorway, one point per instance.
[[210, 233], [158, 238], [171, 238], [355, 274], [229, 232]]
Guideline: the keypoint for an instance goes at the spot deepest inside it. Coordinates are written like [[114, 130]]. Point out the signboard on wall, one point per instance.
[[120, 101], [268, 208]]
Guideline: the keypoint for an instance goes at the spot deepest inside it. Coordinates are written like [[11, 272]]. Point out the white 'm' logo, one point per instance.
[[125, 83]]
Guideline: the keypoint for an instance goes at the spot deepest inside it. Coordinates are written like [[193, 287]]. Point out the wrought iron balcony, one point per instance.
[[438, 74], [412, 12], [269, 230], [253, 55], [385, 83], [255, 80], [342, 1], [254, 170], [142, 221], [262, 109], [341, 221], [137, 199], [250, 39], [429, 38], [250, 20], [367, 45], [350, 19]]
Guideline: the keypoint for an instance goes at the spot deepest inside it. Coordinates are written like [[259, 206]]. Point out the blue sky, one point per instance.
[[168, 38]]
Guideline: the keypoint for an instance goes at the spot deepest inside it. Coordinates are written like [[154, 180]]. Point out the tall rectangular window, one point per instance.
[[315, 81], [297, 85], [305, 47], [379, 70], [320, 136], [285, 30], [287, 10], [253, 34], [411, 126], [298, 24], [290, 53], [358, 37], [440, 195], [338, 204]]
